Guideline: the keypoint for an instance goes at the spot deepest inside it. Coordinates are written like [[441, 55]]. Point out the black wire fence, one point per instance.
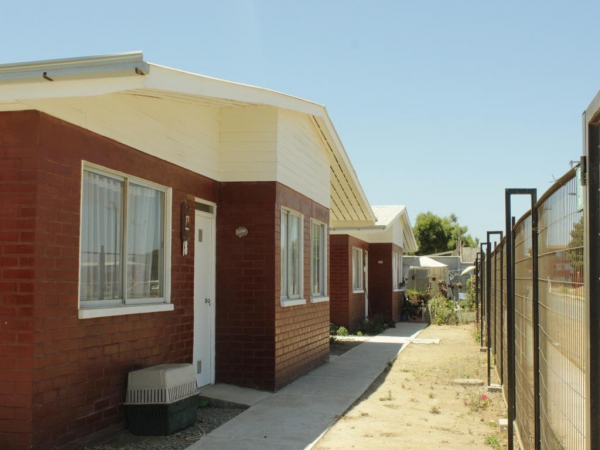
[[533, 304]]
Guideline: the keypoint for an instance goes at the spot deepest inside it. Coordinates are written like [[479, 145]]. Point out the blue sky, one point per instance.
[[440, 104]]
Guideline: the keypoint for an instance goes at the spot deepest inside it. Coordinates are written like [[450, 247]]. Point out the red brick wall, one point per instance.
[[258, 343], [302, 331], [347, 307], [18, 179], [79, 367], [340, 280], [384, 301], [380, 281], [245, 308]]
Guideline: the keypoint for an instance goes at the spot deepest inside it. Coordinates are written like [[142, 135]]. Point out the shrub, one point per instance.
[[442, 311], [333, 329], [373, 326], [342, 331]]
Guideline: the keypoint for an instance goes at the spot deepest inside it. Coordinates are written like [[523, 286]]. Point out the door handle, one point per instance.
[[207, 301]]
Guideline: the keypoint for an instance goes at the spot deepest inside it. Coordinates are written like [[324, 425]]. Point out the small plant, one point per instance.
[[434, 410], [333, 329], [477, 401], [342, 331], [413, 294], [359, 333], [431, 395], [492, 440]]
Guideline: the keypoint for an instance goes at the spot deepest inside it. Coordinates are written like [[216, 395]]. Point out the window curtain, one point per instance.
[[144, 242], [101, 237]]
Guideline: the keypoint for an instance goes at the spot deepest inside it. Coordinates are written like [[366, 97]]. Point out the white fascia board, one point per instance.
[[412, 245], [73, 77], [332, 136], [166, 79], [592, 109], [54, 70]]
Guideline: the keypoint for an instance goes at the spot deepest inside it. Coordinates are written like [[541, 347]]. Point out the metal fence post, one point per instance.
[[592, 245], [510, 306], [477, 276], [483, 312]]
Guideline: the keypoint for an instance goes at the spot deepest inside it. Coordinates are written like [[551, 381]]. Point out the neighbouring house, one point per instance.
[[366, 267], [423, 273], [149, 216]]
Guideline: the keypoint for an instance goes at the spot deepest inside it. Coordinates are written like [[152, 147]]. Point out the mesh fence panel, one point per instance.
[[524, 348], [498, 311], [563, 340]]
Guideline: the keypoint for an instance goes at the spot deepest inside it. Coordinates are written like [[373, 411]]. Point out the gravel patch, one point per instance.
[[208, 420]]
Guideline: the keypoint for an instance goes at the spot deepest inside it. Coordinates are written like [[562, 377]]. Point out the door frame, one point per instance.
[[366, 281], [212, 288]]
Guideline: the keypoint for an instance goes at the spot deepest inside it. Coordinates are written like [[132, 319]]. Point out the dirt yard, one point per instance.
[[415, 404]]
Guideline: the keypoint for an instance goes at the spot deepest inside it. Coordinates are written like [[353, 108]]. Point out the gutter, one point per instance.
[[367, 228], [104, 66]]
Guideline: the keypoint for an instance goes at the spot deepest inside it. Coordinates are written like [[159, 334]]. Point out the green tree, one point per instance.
[[575, 246], [436, 234]]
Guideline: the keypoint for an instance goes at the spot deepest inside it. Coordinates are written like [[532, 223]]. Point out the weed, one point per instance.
[[476, 401], [388, 397], [434, 410], [492, 440], [431, 395]]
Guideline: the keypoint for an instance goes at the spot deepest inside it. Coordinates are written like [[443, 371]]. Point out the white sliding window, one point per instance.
[[124, 240], [357, 269], [291, 256], [318, 260]]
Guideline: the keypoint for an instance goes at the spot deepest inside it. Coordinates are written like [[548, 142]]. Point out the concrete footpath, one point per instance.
[[299, 414]]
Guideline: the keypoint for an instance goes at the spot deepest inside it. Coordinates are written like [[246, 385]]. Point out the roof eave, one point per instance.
[[104, 66]]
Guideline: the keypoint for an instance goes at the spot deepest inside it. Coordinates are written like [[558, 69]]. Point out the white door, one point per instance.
[[366, 270], [204, 298]]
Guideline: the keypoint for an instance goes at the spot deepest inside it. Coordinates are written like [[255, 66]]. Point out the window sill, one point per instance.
[[292, 302], [319, 299], [92, 313], [358, 291]]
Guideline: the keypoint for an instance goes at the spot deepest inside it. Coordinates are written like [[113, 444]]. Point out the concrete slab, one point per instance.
[[298, 415], [234, 394]]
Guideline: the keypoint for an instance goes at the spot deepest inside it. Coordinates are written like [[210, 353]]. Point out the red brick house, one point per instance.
[[366, 268], [152, 216]]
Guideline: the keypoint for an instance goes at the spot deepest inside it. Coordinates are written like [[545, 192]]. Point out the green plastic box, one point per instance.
[[162, 419]]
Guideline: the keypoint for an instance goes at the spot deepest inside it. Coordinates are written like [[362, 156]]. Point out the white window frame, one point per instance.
[[320, 296], [296, 299], [358, 268], [398, 279], [104, 308]]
